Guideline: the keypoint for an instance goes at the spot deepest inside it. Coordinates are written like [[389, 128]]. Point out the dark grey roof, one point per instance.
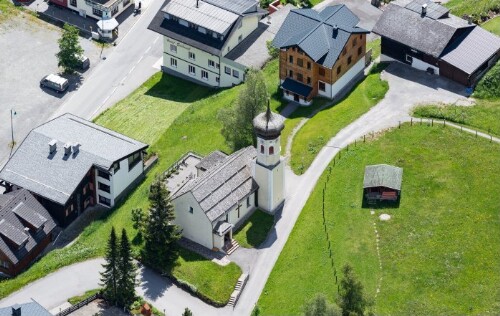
[[430, 36], [21, 209], [211, 160], [56, 176], [222, 187], [383, 176], [27, 309], [268, 124], [321, 35], [433, 10], [296, 87], [471, 50]]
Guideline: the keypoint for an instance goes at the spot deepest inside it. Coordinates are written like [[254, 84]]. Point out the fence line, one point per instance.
[[73, 308]]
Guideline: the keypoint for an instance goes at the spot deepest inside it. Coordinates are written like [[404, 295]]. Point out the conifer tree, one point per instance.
[[127, 272], [160, 235], [352, 300], [110, 275], [187, 312]]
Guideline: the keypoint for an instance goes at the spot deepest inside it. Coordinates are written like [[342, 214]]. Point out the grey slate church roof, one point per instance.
[[321, 35], [15, 208], [211, 160], [55, 176], [437, 33], [383, 176], [223, 185]]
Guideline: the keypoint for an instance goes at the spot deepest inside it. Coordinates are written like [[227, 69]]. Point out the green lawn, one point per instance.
[[483, 116], [441, 249], [375, 46], [319, 129], [493, 25], [79, 298], [472, 7], [212, 280], [8, 10], [255, 230], [188, 131]]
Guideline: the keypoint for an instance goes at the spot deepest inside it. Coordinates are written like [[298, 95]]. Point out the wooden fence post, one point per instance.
[[411, 121], [432, 122]]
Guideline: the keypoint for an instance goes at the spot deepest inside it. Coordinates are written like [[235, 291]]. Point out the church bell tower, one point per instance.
[[269, 166]]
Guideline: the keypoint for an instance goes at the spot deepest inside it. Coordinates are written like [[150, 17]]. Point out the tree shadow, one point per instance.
[[153, 284], [179, 90]]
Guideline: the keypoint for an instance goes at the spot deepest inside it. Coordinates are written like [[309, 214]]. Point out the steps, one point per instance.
[[232, 247], [238, 288]]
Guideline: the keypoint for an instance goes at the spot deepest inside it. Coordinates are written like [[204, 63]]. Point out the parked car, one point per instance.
[[84, 62], [55, 82]]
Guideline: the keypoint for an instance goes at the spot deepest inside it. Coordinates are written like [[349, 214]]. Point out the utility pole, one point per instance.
[[12, 113]]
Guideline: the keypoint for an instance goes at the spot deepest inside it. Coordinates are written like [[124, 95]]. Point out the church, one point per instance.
[[214, 195]]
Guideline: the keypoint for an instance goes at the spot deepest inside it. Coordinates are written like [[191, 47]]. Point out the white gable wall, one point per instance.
[[247, 26], [195, 226]]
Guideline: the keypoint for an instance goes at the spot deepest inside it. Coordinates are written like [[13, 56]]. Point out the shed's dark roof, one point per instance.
[[28, 309], [296, 87], [220, 188], [471, 50], [321, 35], [22, 207], [424, 34], [383, 176], [56, 176], [211, 160]]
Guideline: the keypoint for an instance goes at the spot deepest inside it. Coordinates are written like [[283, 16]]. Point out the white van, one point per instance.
[[55, 82]]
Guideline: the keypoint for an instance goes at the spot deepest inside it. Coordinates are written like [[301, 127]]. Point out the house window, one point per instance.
[[104, 187], [192, 56], [300, 62], [173, 62], [211, 63], [290, 73], [217, 79], [192, 70], [103, 174], [309, 80], [349, 60], [239, 207], [116, 167], [133, 160], [271, 150], [193, 26], [261, 149], [309, 65], [173, 48], [360, 50], [290, 59], [409, 59], [191, 210], [240, 25], [354, 42], [72, 2], [248, 202], [236, 73], [300, 77], [4, 264], [204, 75], [321, 86], [104, 200], [339, 70], [227, 70], [174, 18], [240, 38], [97, 12], [344, 51], [322, 71], [114, 11]]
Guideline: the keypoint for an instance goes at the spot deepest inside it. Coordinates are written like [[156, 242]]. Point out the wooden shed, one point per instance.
[[382, 183]]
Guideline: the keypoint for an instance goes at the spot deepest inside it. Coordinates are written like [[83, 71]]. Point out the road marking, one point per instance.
[[156, 39], [147, 50], [140, 59]]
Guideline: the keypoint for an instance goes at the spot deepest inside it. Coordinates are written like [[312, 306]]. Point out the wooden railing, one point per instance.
[[73, 308]]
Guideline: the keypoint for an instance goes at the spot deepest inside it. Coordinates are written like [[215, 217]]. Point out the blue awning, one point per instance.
[[296, 87]]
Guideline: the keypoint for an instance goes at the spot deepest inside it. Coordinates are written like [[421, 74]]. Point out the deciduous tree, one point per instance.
[[237, 121], [69, 49], [319, 306]]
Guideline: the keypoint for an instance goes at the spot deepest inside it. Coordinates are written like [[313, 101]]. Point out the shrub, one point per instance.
[[489, 86]]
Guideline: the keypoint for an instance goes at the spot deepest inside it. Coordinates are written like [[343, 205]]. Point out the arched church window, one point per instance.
[[271, 150], [261, 149]]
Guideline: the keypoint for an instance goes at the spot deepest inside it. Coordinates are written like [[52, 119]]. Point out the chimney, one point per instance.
[[76, 147], [67, 149], [424, 9], [16, 310], [52, 146]]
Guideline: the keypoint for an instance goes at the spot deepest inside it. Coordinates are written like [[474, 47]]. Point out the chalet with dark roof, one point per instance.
[[70, 164], [25, 230], [321, 52], [426, 36]]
